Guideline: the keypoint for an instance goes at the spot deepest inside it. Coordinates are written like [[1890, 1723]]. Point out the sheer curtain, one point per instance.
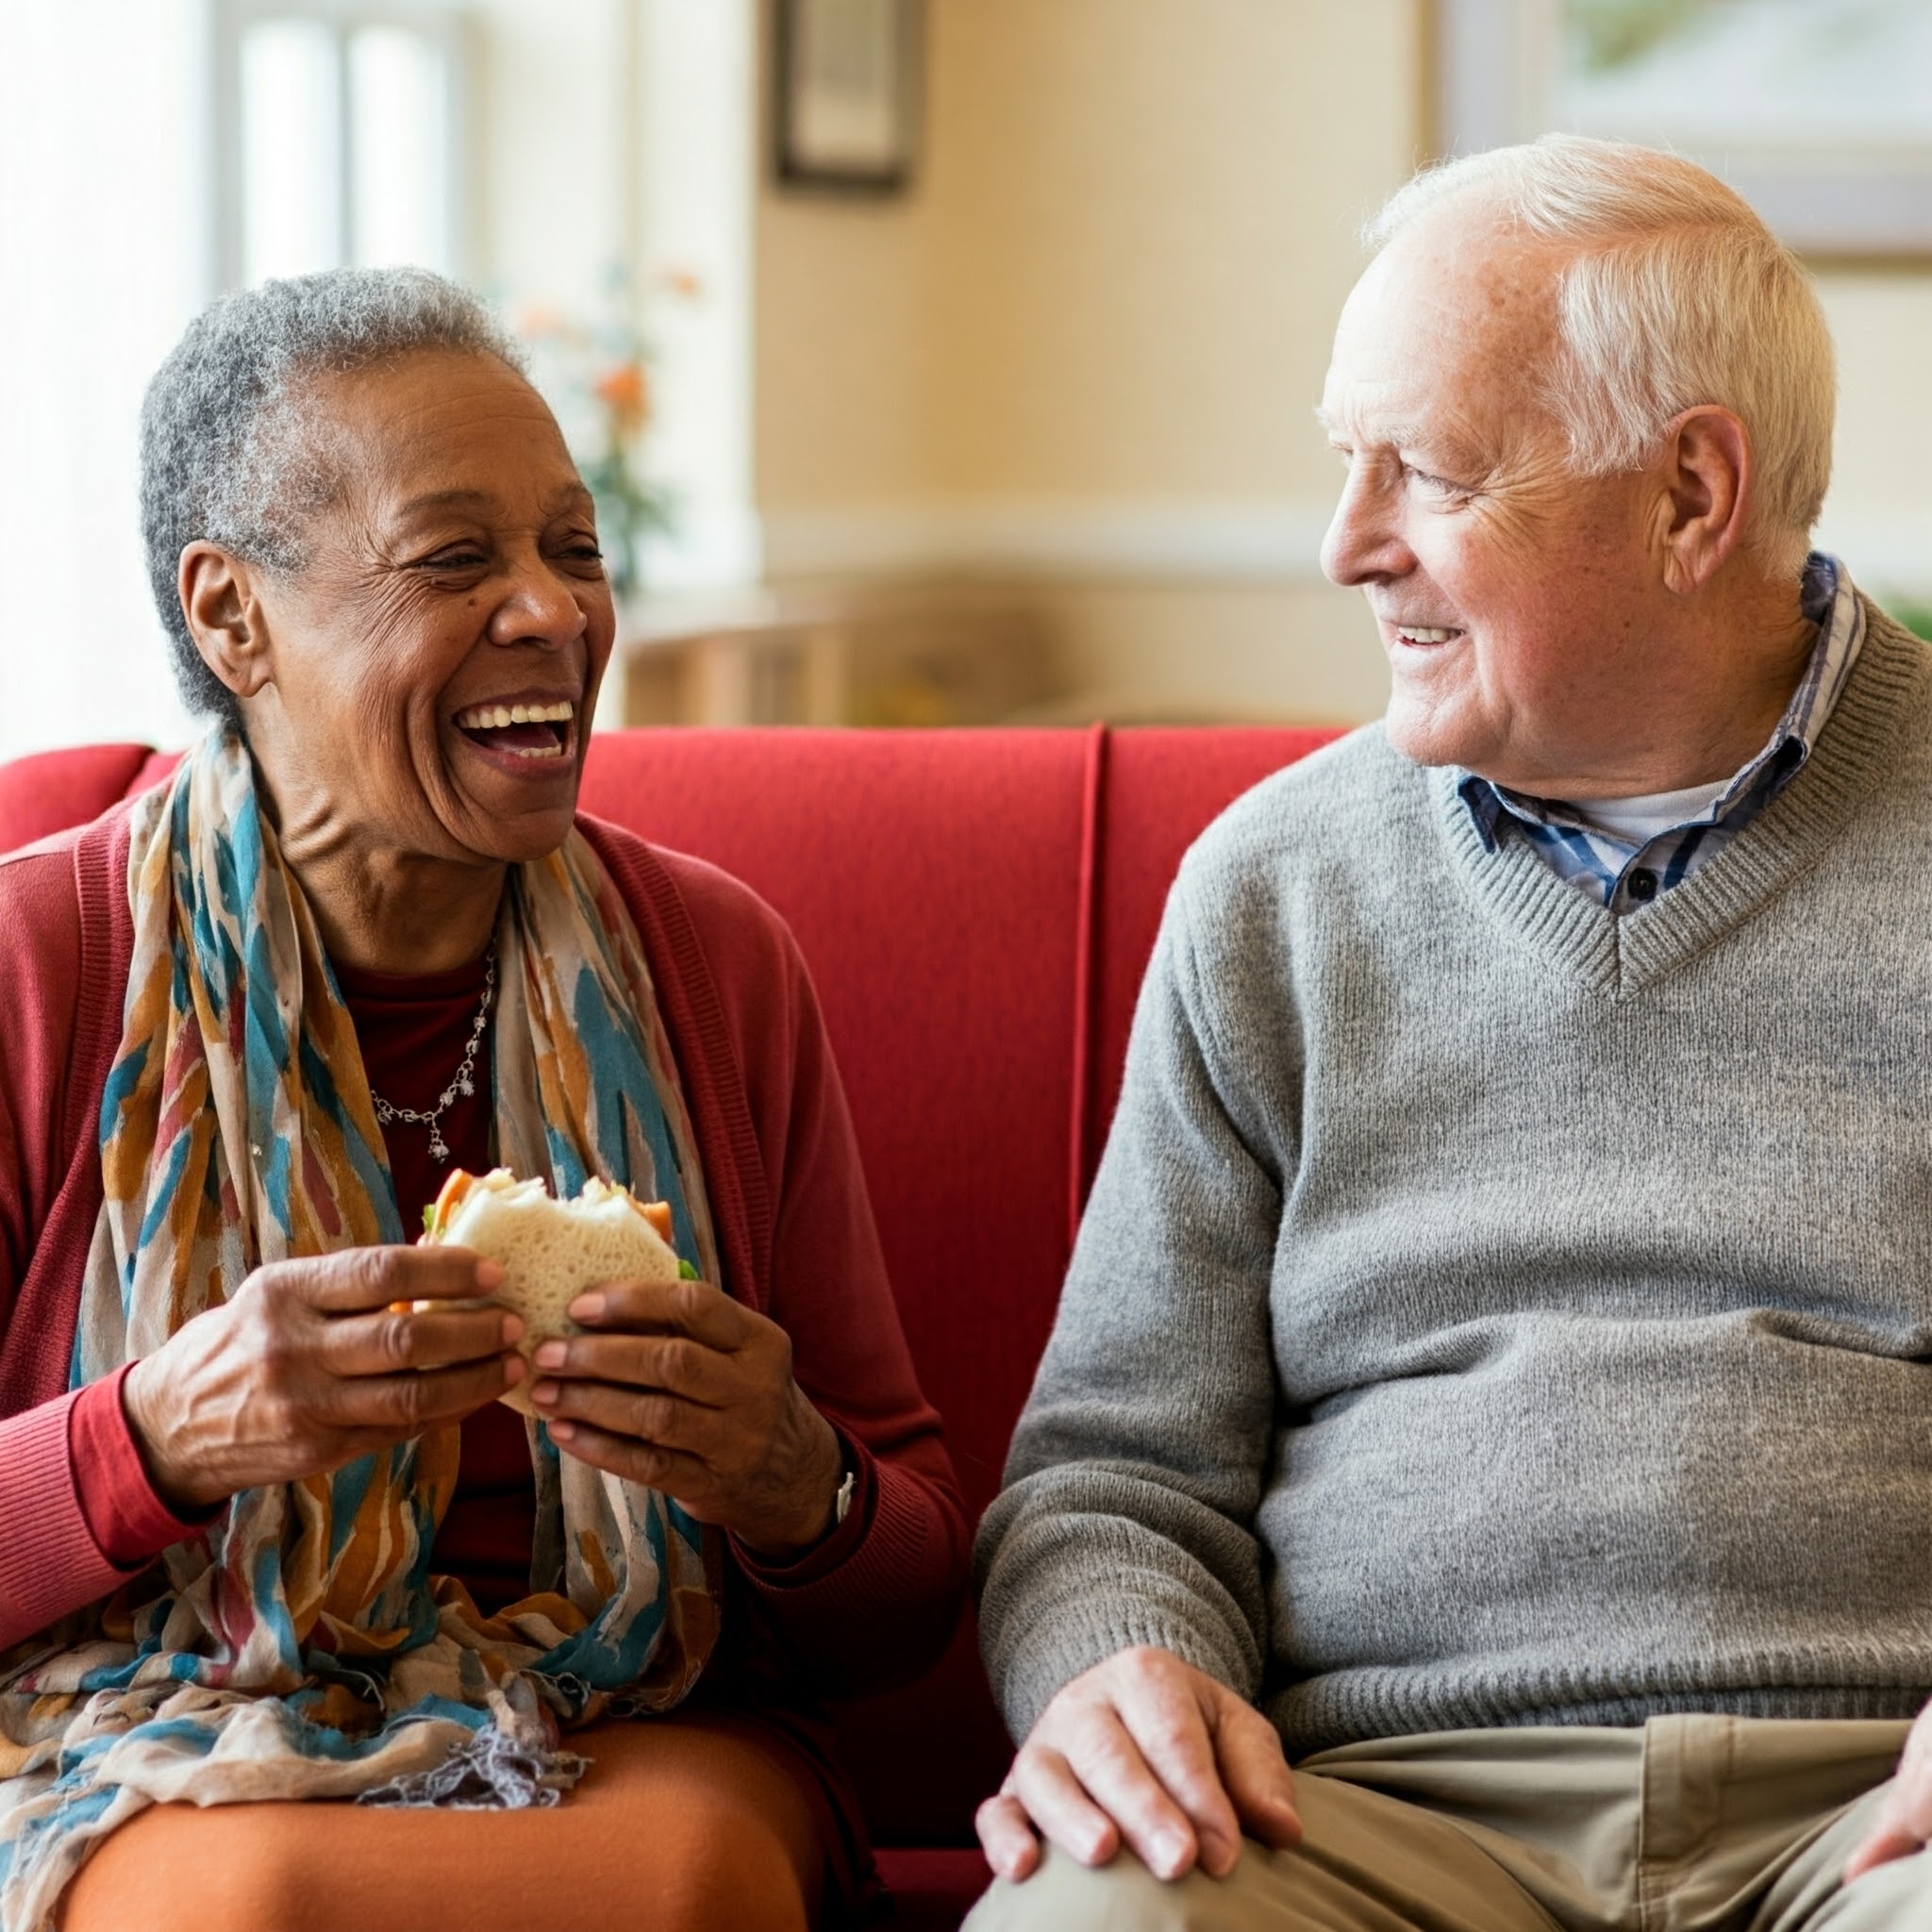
[[105, 252]]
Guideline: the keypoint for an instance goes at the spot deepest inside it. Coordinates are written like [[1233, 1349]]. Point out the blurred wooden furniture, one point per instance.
[[881, 656]]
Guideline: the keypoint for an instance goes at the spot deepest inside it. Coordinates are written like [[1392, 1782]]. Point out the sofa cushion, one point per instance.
[[1157, 792], [932, 1891], [934, 881], [54, 790], [977, 909]]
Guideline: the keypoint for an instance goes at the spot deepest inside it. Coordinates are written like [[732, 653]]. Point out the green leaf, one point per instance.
[[430, 1219], [685, 1271]]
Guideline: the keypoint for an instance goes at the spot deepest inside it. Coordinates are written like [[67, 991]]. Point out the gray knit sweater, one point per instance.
[[1494, 1311]]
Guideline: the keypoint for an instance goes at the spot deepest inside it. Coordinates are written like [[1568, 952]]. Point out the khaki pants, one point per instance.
[[1687, 1824]]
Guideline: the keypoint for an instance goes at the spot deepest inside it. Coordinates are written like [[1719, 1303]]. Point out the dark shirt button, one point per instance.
[[1642, 884]]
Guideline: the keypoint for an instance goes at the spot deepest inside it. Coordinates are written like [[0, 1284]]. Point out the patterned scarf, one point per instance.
[[299, 1646]]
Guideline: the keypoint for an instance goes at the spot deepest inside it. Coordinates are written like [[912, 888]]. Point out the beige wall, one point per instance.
[[1107, 309], [1150, 214], [1117, 275], [1879, 513], [1198, 654], [841, 342], [1109, 295]]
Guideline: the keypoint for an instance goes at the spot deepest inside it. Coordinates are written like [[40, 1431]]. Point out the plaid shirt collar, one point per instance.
[[1617, 873]]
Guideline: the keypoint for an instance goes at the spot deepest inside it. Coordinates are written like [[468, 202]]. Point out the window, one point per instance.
[[342, 130], [1818, 113]]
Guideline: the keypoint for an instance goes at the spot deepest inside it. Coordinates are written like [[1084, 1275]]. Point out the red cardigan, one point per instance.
[[876, 1600]]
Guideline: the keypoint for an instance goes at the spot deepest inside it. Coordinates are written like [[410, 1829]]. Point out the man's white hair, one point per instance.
[[1678, 294]]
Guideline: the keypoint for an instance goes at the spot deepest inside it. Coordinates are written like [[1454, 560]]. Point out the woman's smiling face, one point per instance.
[[452, 583]]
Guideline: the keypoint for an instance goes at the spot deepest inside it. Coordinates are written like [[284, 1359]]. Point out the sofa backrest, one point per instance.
[[977, 909], [54, 790]]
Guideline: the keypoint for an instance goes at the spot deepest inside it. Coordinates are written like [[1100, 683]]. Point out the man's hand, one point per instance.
[[314, 1362], [683, 1389], [1147, 1749], [1904, 1825]]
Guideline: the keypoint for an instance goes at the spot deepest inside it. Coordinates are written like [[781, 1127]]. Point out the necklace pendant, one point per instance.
[[387, 1114]]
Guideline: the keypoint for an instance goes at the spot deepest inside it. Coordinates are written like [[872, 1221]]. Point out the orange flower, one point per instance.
[[624, 391], [539, 319]]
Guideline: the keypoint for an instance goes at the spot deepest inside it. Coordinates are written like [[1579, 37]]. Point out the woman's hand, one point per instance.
[[687, 1391], [314, 1362]]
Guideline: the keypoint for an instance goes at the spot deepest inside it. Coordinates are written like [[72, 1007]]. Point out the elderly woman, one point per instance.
[[265, 1533]]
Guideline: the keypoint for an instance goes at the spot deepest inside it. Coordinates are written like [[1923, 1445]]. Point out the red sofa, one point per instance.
[[977, 909]]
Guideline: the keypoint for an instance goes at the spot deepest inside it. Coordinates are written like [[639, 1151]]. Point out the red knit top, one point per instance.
[[412, 1033], [77, 1515], [413, 1030]]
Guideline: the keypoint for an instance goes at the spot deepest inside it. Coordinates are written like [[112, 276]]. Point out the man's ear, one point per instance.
[[1706, 472], [220, 600]]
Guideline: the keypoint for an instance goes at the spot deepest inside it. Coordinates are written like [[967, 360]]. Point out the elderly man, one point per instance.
[[1493, 1371]]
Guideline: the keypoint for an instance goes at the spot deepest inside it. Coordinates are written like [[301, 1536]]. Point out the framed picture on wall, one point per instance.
[[845, 93], [1818, 111]]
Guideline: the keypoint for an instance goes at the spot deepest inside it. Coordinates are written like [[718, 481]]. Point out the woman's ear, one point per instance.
[[220, 600], [1709, 478]]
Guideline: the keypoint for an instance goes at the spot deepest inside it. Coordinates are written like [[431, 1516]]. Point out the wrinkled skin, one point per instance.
[[1145, 1751], [455, 563], [681, 1387], [1613, 635], [1608, 637]]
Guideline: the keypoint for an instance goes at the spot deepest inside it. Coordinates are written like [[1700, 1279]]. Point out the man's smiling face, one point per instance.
[[1514, 598]]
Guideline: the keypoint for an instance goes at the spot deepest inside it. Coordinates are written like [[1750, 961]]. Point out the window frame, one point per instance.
[[1493, 62], [450, 27]]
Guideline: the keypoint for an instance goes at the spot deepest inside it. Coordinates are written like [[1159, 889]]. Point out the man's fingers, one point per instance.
[[1007, 1838], [1111, 1765], [1256, 1774], [353, 1279], [1044, 1785], [1902, 1827], [1880, 1847], [387, 1342], [1162, 1713]]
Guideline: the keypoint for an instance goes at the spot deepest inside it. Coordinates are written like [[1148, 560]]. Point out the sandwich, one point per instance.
[[551, 1250]]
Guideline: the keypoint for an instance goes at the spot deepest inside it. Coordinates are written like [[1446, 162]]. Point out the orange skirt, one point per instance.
[[695, 1824]]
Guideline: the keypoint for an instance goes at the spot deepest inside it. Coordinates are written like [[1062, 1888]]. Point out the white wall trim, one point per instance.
[[1251, 542], [1246, 542]]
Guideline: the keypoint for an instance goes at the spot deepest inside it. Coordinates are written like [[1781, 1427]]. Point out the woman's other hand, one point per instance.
[[315, 1362], [683, 1389]]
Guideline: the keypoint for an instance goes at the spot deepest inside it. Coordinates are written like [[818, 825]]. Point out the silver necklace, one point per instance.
[[464, 1082]]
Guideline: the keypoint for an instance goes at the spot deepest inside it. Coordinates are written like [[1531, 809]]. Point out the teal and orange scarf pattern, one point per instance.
[[300, 1646]]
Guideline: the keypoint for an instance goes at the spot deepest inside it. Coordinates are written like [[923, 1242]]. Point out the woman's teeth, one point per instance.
[[495, 717], [529, 731], [1423, 634]]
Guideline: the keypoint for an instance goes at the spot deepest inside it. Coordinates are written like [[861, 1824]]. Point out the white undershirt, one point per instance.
[[1637, 821]]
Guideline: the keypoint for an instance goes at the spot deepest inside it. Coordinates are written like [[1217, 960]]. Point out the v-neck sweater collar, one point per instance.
[[1621, 953]]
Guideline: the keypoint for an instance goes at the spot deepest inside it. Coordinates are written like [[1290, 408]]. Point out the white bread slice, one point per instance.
[[551, 1251]]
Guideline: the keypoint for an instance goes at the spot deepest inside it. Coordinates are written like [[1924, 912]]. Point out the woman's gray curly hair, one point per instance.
[[233, 450]]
